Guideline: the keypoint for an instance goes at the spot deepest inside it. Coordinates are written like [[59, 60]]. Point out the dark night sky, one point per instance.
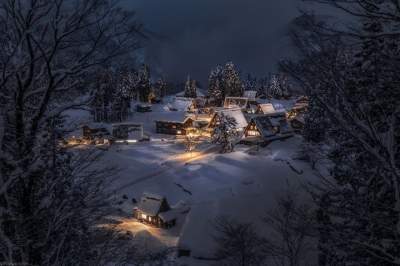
[[195, 35]]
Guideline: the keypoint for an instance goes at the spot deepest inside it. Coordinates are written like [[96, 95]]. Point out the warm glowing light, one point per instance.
[[179, 132], [144, 216]]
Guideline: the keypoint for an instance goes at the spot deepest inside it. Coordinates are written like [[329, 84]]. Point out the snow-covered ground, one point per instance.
[[242, 185]]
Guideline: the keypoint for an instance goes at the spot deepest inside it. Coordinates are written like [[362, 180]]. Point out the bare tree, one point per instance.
[[46, 49], [238, 243], [291, 237]]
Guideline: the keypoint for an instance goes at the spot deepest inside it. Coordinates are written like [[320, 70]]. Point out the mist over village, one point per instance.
[[196, 133]]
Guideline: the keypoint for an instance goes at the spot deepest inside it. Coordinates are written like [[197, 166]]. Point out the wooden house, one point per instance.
[[173, 127], [300, 107], [95, 134], [154, 210], [264, 129], [298, 122]]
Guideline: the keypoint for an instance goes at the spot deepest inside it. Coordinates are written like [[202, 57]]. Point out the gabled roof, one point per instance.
[[267, 108], [150, 204], [264, 125]]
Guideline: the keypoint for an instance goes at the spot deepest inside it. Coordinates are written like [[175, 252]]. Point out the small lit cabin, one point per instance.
[[154, 210], [237, 114], [173, 127], [264, 129], [269, 110]]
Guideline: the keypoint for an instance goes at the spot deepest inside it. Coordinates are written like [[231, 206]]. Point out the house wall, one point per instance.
[[170, 128]]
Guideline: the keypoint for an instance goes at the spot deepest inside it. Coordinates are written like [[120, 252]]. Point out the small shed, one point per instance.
[[154, 210], [173, 127]]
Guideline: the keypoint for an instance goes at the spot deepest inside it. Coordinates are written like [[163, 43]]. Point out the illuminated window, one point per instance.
[[253, 133], [178, 132], [144, 216]]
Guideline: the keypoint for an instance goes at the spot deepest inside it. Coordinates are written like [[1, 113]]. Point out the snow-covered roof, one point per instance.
[[237, 114], [267, 108], [271, 110], [150, 203], [300, 106], [264, 125], [168, 215], [267, 124], [199, 93], [285, 127], [198, 230], [179, 104], [235, 102]]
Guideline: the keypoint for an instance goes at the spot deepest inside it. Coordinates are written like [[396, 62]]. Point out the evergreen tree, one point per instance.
[[275, 88], [160, 88], [215, 86], [250, 84], [143, 85], [190, 88], [232, 85], [225, 132], [127, 83]]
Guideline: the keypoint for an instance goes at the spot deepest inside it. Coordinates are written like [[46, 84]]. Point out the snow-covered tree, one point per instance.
[[250, 83], [160, 88], [143, 85], [225, 132], [190, 88], [355, 88], [279, 86], [127, 83], [215, 86], [232, 84]]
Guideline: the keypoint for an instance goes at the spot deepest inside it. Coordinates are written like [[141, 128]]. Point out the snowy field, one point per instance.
[[242, 185]]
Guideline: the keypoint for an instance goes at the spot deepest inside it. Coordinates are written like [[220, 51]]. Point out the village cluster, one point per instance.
[[257, 121]]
